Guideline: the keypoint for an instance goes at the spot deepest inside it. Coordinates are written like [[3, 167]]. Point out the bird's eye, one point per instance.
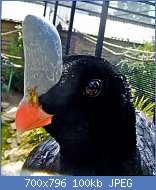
[[93, 88]]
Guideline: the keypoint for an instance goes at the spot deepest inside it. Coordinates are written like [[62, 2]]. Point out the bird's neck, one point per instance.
[[91, 153]]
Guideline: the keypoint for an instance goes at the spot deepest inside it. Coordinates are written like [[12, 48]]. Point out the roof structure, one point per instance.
[[123, 21]]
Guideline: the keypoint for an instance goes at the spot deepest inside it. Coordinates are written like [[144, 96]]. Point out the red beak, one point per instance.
[[30, 116]]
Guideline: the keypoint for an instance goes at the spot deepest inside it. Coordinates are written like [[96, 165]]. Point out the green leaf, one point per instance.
[[144, 106]]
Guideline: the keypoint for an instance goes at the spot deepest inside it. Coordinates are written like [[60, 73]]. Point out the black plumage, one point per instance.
[[95, 130]]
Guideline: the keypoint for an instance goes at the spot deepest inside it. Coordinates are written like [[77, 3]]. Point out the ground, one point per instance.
[[9, 140], [15, 146], [14, 98]]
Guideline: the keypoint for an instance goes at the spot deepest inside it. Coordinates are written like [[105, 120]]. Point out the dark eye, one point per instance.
[[93, 88]]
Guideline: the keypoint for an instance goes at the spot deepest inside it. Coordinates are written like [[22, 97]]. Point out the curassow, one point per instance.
[[88, 112]]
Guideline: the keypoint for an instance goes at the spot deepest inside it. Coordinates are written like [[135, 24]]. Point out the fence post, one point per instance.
[[102, 27], [70, 27], [55, 12], [45, 8]]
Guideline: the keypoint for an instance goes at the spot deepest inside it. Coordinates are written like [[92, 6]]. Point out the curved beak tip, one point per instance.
[[29, 116]]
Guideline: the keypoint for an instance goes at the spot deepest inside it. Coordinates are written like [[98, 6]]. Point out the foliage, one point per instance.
[[31, 138], [140, 74], [142, 105], [5, 135], [4, 86], [148, 46], [34, 136], [16, 49]]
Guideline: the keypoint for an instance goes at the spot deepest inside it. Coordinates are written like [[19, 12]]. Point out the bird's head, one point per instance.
[[89, 99]]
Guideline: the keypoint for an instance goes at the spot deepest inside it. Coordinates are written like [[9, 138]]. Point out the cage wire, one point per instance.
[[139, 73]]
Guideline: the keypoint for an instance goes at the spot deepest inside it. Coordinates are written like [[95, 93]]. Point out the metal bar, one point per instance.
[[113, 17], [132, 12], [70, 27], [55, 12], [45, 8], [123, 10], [110, 16], [102, 26], [95, 3], [131, 21], [147, 2], [99, 4]]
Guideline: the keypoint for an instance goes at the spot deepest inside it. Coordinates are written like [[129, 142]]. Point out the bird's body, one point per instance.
[[95, 128], [85, 105]]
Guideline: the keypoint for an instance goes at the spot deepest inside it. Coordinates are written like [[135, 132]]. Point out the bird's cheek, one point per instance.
[[30, 116]]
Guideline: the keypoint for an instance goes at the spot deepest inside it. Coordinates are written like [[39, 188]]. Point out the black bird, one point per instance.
[[95, 129]]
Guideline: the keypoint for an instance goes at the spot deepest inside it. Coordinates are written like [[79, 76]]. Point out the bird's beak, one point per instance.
[[43, 69], [30, 116]]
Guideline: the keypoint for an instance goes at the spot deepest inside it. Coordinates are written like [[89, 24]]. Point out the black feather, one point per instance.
[[94, 135]]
